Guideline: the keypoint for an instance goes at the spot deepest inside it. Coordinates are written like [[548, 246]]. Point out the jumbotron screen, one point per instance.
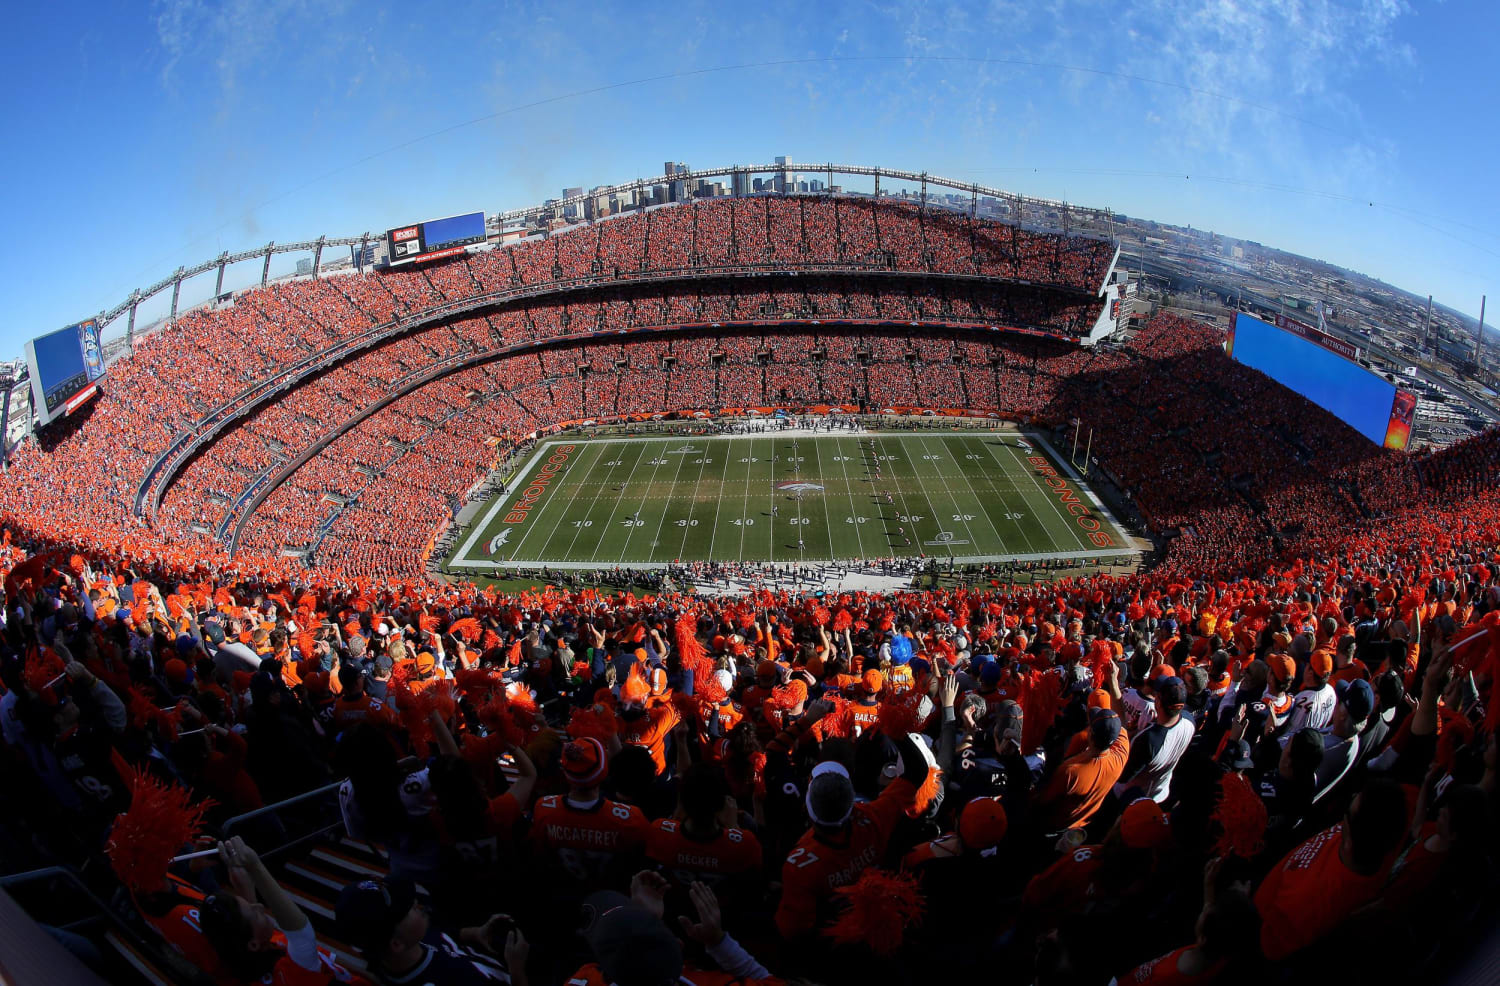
[[1366, 401], [434, 238], [64, 365]]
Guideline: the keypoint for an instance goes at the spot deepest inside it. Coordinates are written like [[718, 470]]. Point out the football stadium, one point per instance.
[[753, 582], [633, 502]]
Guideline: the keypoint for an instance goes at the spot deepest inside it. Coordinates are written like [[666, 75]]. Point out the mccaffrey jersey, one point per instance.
[[731, 852], [587, 839]]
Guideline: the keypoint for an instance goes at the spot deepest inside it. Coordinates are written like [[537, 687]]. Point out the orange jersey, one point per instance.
[[652, 732], [1164, 971], [900, 679], [731, 852], [585, 839], [815, 868], [864, 716], [729, 716], [349, 713], [1065, 886]]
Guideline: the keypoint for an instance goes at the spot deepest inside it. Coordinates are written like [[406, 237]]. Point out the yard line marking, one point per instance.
[[1011, 489], [745, 504], [771, 548], [537, 521], [662, 517], [1029, 501], [621, 498], [1056, 507], [838, 445], [589, 512], [946, 444], [956, 506], [931, 510], [796, 472], [692, 505], [718, 502]]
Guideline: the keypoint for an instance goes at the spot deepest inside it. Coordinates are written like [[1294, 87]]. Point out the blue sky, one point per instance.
[[151, 135]]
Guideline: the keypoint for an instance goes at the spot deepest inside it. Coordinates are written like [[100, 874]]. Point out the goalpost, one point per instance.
[[1083, 469]]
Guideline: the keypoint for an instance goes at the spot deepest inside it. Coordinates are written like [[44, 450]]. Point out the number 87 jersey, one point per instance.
[[587, 838]]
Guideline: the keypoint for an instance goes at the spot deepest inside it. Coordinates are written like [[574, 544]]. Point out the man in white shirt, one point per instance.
[[1155, 750], [1313, 705]]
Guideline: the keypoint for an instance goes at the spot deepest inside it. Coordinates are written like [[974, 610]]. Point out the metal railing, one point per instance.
[[1045, 213]]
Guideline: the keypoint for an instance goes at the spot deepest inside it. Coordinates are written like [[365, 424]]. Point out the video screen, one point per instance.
[[60, 365], [1360, 398], [440, 233]]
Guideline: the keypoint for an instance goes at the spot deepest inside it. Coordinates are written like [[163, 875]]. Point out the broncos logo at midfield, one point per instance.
[[799, 486]]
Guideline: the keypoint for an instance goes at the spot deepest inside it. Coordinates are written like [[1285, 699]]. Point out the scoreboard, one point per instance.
[[1366, 401], [434, 239], [64, 366]]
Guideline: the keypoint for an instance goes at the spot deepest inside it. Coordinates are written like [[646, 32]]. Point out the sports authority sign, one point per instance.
[[1318, 336], [1070, 502]]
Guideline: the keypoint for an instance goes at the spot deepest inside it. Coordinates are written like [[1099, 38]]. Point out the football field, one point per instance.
[[639, 502]]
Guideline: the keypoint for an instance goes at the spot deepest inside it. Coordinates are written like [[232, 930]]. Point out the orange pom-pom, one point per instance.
[[689, 650], [468, 629], [898, 714], [160, 820], [635, 689], [878, 908], [1242, 819], [478, 683], [596, 721], [41, 669]]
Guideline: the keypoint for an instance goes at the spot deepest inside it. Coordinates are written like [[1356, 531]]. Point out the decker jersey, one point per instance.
[[683, 860]]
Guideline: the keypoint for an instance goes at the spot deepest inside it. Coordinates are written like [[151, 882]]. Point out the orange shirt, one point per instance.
[[1064, 887], [1355, 669], [652, 732], [1309, 893], [815, 868], [348, 713], [1080, 785], [731, 852], [586, 839]]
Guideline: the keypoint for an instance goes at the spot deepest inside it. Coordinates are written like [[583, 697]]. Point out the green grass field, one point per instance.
[[970, 496]]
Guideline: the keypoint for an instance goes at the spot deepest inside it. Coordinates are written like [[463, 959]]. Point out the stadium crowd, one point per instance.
[[1144, 779], [1250, 762]]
